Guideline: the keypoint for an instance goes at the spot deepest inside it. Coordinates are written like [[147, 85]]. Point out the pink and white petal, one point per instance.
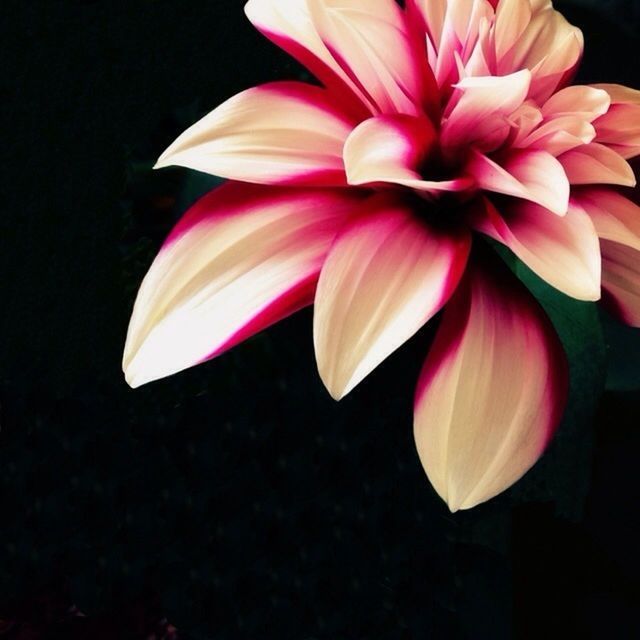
[[564, 251], [279, 133], [360, 37], [492, 389], [385, 276], [580, 101], [614, 217], [619, 128], [433, 14], [512, 19], [242, 257], [532, 175], [621, 281], [559, 135], [597, 164], [391, 149], [290, 26], [482, 105]]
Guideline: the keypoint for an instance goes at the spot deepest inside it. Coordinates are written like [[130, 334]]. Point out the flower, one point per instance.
[[436, 125]]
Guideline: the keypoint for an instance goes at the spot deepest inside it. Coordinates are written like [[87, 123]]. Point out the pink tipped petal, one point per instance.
[[558, 135], [564, 251], [391, 149], [372, 45], [385, 276], [532, 175], [615, 217], [243, 257], [492, 390], [482, 107], [621, 281], [284, 132], [596, 164], [289, 25], [619, 128]]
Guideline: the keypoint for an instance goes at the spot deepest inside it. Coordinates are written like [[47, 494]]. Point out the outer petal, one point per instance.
[[360, 37], [385, 276], [619, 128], [617, 221], [621, 281], [284, 132], [559, 135], [491, 392], [289, 24], [392, 149], [564, 251], [597, 164], [532, 175], [587, 103], [242, 258]]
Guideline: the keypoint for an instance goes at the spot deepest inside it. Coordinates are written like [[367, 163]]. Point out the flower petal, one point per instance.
[[289, 25], [529, 174], [596, 164], [621, 280], [619, 128], [587, 103], [242, 257], [360, 37], [284, 132], [492, 389], [392, 149], [564, 251], [615, 217], [483, 103], [385, 276], [617, 221], [558, 135]]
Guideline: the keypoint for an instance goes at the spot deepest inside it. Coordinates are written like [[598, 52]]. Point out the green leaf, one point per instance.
[[623, 347]]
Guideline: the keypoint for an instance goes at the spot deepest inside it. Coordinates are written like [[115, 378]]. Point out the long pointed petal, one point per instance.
[[564, 251], [284, 132], [492, 389], [385, 276], [241, 258], [532, 175]]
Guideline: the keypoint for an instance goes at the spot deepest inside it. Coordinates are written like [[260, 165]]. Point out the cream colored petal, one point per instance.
[[596, 164], [621, 280], [243, 257], [564, 251], [492, 389], [385, 276], [284, 132]]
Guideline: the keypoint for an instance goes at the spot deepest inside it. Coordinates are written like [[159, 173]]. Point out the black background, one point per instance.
[[237, 499]]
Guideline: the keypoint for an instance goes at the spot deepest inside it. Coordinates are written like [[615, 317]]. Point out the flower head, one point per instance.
[[436, 125]]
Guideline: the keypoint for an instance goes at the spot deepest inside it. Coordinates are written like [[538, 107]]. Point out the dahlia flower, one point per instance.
[[434, 126]]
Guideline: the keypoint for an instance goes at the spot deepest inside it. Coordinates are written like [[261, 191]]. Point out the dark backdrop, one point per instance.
[[236, 499]]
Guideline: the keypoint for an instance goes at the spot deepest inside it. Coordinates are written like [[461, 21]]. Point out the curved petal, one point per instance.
[[596, 164], [385, 276], [619, 128], [550, 46], [558, 135], [529, 174], [360, 37], [579, 101], [492, 389], [564, 251], [614, 217], [289, 25], [483, 104], [617, 221], [279, 133], [392, 149], [241, 258], [621, 280]]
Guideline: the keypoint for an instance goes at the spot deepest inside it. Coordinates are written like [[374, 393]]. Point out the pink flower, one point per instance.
[[436, 125]]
